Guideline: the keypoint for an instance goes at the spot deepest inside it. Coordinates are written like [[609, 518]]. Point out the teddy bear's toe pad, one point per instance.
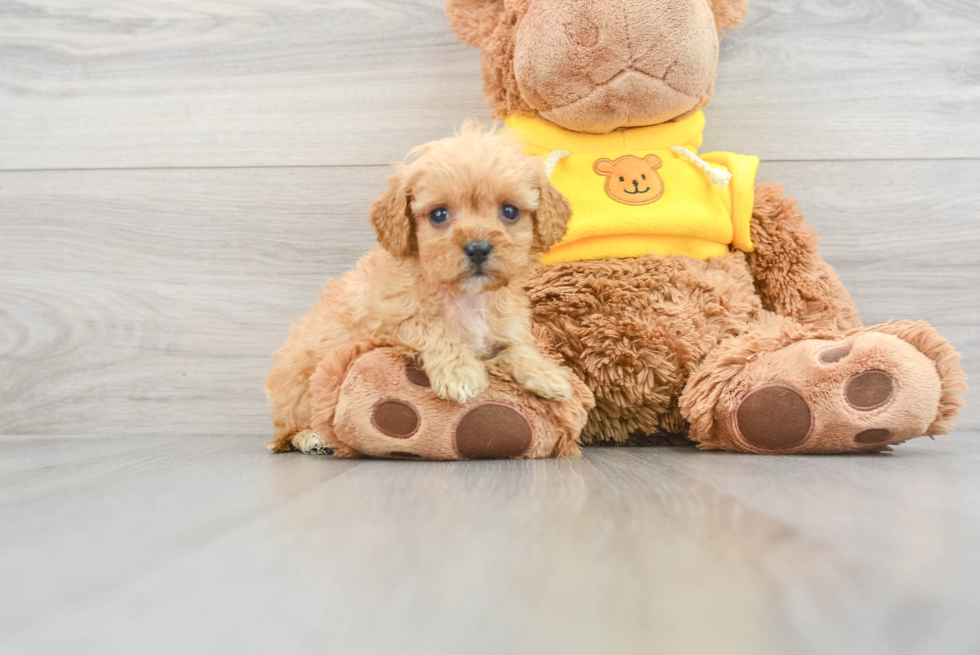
[[395, 418], [493, 430], [400, 454], [874, 436], [833, 355], [869, 390], [417, 376], [774, 417]]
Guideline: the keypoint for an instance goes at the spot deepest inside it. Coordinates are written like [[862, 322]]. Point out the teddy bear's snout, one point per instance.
[[615, 63]]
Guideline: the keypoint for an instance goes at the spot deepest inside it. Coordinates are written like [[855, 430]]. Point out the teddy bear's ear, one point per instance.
[[551, 218], [473, 20], [391, 217], [728, 13], [603, 166], [653, 161]]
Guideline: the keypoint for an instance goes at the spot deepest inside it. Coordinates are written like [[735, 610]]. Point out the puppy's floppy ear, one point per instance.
[[473, 20], [728, 13], [551, 218], [391, 217]]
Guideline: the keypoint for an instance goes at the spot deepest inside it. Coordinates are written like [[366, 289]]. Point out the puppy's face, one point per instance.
[[474, 218], [474, 209]]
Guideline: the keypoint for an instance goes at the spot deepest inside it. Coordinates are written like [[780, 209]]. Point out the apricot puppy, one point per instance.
[[460, 227]]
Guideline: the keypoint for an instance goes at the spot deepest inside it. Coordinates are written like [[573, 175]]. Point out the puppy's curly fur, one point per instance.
[[421, 291]]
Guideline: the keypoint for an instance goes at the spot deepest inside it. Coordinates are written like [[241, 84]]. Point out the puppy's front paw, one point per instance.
[[546, 380], [461, 383]]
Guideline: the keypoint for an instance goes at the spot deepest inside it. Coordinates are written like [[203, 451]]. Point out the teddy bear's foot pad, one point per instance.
[[487, 431], [777, 417], [396, 418], [862, 393], [493, 430], [388, 409], [774, 417]]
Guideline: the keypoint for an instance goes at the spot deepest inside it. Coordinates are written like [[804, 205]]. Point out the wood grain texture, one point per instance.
[[166, 545], [851, 79], [139, 308], [158, 83], [135, 302]]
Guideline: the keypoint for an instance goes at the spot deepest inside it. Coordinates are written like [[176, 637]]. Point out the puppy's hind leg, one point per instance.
[[306, 420], [305, 441], [288, 390]]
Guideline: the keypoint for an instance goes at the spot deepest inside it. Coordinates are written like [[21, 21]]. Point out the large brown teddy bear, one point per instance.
[[687, 298]]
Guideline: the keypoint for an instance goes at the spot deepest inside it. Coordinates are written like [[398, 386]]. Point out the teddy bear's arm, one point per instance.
[[791, 278]]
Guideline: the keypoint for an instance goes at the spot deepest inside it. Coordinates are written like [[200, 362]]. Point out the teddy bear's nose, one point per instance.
[[478, 251]]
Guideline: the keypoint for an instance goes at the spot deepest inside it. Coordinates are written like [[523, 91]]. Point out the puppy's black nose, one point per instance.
[[478, 251]]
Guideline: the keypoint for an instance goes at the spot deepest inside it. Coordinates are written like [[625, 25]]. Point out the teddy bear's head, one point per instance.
[[596, 65]]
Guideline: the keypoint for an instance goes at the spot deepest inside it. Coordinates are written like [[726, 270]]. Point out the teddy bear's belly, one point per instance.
[[634, 330]]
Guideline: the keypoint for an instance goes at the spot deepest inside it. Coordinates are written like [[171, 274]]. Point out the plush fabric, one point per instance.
[[755, 351], [632, 195], [594, 66], [615, 63], [790, 276], [880, 386]]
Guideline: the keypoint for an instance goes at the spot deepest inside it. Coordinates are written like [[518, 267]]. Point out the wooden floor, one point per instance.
[[179, 177], [210, 545]]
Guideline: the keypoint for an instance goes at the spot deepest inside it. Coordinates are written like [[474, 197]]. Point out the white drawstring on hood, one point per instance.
[[716, 176], [552, 161]]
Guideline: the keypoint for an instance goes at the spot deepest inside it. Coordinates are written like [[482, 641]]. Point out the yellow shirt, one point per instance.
[[632, 195]]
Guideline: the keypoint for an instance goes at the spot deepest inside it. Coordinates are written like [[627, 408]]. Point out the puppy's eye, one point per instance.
[[622, 179], [439, 215], [644, 176], [510, 212]]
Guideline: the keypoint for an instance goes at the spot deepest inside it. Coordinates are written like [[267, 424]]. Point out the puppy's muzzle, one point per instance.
[[478, 251]]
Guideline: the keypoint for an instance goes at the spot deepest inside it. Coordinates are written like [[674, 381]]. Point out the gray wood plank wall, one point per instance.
[[177, 179]]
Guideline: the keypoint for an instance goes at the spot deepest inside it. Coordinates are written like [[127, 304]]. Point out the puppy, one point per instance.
[[460, 227]]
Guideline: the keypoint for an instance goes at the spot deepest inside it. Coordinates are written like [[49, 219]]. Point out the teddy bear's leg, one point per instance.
[[386, 408], [783, 388], [791, 278]]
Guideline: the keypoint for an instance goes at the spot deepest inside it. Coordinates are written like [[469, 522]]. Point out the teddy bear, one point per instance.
[[627, 174], [689, 300]]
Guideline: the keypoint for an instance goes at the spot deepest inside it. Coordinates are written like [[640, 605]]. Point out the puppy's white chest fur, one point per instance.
[[470, 315]]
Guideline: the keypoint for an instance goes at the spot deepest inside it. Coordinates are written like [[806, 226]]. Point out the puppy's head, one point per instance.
[[473, 209]]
